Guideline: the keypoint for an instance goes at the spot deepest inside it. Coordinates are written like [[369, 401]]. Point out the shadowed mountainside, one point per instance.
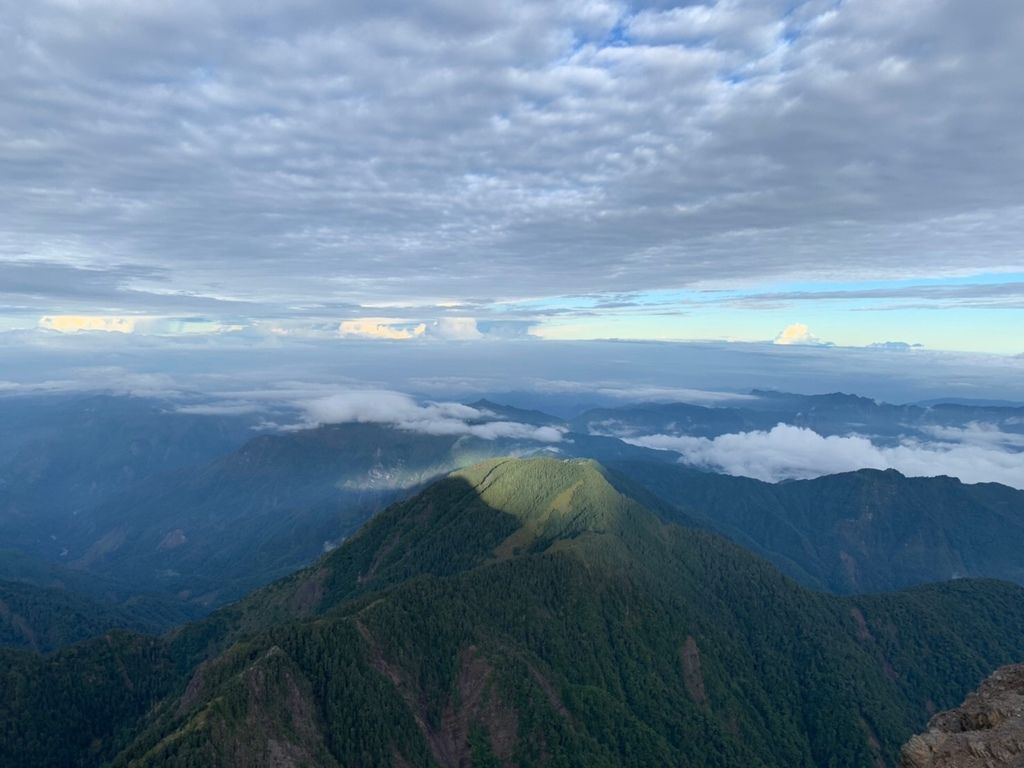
[[212, 533]]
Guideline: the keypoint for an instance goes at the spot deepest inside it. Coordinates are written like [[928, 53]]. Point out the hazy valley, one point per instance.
[[427, 618]]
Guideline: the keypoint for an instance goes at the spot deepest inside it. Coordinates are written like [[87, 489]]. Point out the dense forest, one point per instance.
[[853, 532], [520, 612]]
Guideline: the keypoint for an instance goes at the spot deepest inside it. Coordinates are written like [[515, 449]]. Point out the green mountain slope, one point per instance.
[[858, 531], [525, 612], [270, 507], [75, 707], [44, 606], [62, 454], [44, 619], [213, 533]]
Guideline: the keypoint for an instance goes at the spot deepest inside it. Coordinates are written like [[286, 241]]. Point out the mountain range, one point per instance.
[[520, 612], [864, 531], [128, 502], [835, 414]]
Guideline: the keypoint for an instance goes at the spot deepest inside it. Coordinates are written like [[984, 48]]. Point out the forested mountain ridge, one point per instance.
[[827, 414], [214, 532], [123, 498], [863, 531], [44, 619], [525, 612], [63, 454]]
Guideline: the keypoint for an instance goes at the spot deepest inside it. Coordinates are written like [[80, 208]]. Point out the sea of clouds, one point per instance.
[[976, 453], [432, 418]]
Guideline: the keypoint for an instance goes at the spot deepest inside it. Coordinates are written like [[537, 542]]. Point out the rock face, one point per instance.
[[986, 731]]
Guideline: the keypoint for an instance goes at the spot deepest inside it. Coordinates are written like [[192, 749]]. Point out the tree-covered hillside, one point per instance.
[[212, 533], [522, 612], [861, 531], [63, 454], [44, 619]]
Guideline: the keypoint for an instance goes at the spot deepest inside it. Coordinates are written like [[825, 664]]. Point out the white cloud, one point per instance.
[[381, 328], [78, 323], [140, 324], [753, 29], [221, 409], [788, 452], [492, 430], [455, 328], [798, 334], [674, 395], [380, 406], [394, 328], [978, 433], [641, 392], [894, 346], [111, 379], [403, 412]]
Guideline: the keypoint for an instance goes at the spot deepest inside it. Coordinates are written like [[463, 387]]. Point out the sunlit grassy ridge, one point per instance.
[[554, 500]]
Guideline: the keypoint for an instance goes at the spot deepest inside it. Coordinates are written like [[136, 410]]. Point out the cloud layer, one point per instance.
[[799, 334], [787, 452], [401, 411], [234, 365], [246, 162]]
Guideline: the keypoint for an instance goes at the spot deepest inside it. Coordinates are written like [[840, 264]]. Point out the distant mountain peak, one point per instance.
[[512, 413], [830, 397], [483, 402]]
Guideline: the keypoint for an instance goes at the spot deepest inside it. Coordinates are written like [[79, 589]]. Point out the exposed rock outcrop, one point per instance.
[[986, 731]]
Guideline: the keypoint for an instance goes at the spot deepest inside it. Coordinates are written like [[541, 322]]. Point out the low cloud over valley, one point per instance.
[[401, 411], [977, 454]]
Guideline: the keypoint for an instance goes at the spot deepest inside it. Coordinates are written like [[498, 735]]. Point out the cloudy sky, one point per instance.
[[845, 172]]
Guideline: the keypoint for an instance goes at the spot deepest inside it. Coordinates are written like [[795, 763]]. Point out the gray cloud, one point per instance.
[[290, 159], [981, 434], [1008, 295], [220, 409], [894, 346]]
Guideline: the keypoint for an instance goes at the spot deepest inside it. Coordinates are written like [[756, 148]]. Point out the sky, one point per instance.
[[324, 176]]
